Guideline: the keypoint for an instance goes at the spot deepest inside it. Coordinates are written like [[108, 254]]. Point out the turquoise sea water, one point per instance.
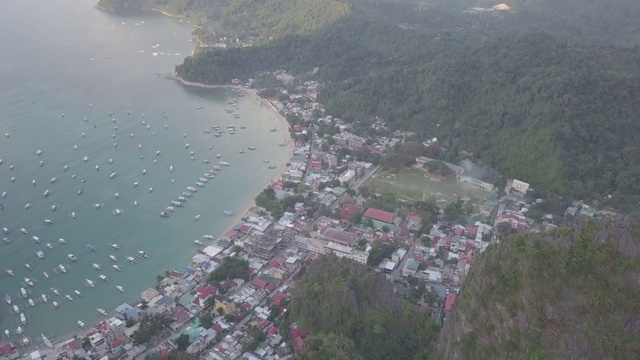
[[67, 57]]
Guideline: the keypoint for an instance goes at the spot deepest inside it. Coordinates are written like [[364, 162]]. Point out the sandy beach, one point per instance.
[[283, 125]]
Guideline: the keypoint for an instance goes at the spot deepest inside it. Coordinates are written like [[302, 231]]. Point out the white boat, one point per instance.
[[46, 341], [28, 266], [96, 266], [113, 258], [78, 293], [218, 156], [113, 175], [28, 281], [26, 341], [72, 257], [97, 205], [45, 274], [197, 217], [62, 268], [4, 194], [38, 152], [80, 324], [16, 309], [143, 254], [7, 333], [171, 168], [44, 298], [90, 283], [150, 189], [23, 318], [55, 305], [120, 288], [19, 330], [114, 246], [135, 184], [115, 267], [79, 192], [40, 254], [53, 179], [117, 195], [50, 246], [186, 146], [36, 239], [9, 272], [31, 302], [62, 241], [55, 291], [5, 230], [135, 203], [6, 240], [118, 212], [54, 207], [69, 297], [192, 189], [27, 205], [198, 243], [224, 163], [46, 193], [102, 312], [103, 277], [131, 259], [23, 292], [24, 231], [85, 158]]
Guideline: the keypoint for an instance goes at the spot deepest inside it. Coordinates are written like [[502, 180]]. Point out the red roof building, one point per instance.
[[205, 296], [259, 283], [451, 298], [277, 300], [380, 215], [350, 209], [298, 336], [217, 328]]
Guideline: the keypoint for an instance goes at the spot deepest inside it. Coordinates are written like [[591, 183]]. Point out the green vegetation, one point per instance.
[[206, 320], [267, 199], [153, 326], [349, 300], [182, 342], [230, 268], [545, 296], [327, 347], [241, 18]]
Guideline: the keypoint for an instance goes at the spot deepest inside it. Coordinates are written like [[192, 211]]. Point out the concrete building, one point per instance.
[[149, 294], [519, 186], [327, 247], [227, 305], [338, 236], [348, 177], [475, 182], [263, 247]]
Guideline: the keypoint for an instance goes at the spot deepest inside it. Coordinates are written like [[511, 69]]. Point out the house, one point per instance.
[[433, 274], [149, 294], [410, 268], [160, 304], [326, 247], [451, 298], [347, 177], [298, 336], [205, 296], [382, 218]]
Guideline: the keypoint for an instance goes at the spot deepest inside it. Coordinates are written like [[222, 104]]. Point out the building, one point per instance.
[[475, 182], [382, 218], [160, 304], [227, 305], [263, 247], [330, 160], [410, 268], [338, 236], [350, 209], [347, 177], [149, 294], [205, 296], [328, 247], [519, 186], [117, 326], [348, 140]]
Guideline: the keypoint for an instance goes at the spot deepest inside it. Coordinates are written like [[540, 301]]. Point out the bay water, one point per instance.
[[77, 84]]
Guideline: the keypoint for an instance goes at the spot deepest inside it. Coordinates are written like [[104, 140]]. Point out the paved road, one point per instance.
[[365, 177]]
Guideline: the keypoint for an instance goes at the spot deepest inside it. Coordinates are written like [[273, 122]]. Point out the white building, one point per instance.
[[519, 186], [327, 247]]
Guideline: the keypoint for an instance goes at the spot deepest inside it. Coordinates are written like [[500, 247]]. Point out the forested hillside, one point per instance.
[[569, 294], [239, 18], [560, 114], [340, 299]]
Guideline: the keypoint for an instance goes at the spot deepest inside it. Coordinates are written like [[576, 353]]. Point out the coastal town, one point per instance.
[[229, 302]]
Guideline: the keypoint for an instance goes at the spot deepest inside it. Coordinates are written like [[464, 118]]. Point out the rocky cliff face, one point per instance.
[[568, 294]]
